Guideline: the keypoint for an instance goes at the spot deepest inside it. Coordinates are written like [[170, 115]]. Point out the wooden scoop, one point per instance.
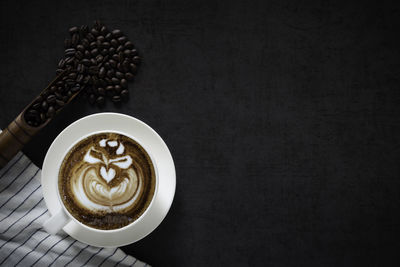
[[19, 132]]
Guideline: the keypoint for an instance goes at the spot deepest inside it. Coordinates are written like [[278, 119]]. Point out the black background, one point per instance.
[[282, 118]]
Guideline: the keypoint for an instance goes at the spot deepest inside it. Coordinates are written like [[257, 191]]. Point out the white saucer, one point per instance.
[[149, 139]]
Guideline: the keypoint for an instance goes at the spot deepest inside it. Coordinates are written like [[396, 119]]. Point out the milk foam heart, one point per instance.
[[107, 175]]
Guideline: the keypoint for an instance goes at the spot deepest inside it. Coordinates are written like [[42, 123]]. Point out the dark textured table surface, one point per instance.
[[282, 118]]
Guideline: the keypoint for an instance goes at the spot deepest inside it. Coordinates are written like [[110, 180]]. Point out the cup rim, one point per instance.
[[64, 208]]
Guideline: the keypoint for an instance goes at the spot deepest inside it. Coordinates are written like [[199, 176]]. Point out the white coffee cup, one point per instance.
[[164, 188], [56, 222]]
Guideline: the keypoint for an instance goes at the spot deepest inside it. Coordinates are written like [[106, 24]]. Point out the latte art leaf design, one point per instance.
[[107, 180], [94, 181]]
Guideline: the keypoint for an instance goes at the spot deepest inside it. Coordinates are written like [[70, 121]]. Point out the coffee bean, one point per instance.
[[51, 99], [93, 61], [117, 89], [99, 45], [99, 59], [102, 72], [100, 101], [60, 103], [45, 106], [87, 54], [101, 91], [124, 94], [95, 32], [114, 43], [108, 80], [107, 65], [136, 60], [128, 45], [100, 38], [79, 68], [36, 105], [111, 51], [85, 42], [50, 113], [120, 48], [92, 99], [60, 83], [75, 88], [69, 82], [59, 71], [125, 66], [74, 39], [70, 52], [109, 88], [115, 57], [67, 43], [84, 29], [33, 113], [93, 45], [86, 79], [108, 36], [106, 45], [121, 56], [129, 76], [45, 94], [115, 81], [61, 63], [73, 30], [72, 75], [95, 80], [58, 95], [42, 117], [80, 48], [122, 39], [104, 30], [79, 55], [90, 37], [94, 52], [79, 78], [113, 63], [104, 52], [133, 52], [124, 83], [119, 75], [69, 60], [117, 33], [110, 73], [127, 52], [116, 99]]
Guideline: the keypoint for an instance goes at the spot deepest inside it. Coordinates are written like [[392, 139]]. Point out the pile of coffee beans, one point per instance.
[[98, 63]]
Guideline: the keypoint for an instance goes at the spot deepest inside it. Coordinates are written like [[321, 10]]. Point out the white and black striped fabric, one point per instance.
[[23, 242]]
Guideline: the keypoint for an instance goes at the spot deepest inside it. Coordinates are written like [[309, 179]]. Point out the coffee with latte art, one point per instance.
[[107, 181]]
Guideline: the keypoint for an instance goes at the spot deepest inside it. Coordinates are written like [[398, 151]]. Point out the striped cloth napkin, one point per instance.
[[23, 242]]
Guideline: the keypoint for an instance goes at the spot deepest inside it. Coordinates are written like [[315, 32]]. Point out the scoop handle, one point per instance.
[[14, 137]]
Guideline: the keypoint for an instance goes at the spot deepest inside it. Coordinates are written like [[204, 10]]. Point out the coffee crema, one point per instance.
[[107, 181]]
